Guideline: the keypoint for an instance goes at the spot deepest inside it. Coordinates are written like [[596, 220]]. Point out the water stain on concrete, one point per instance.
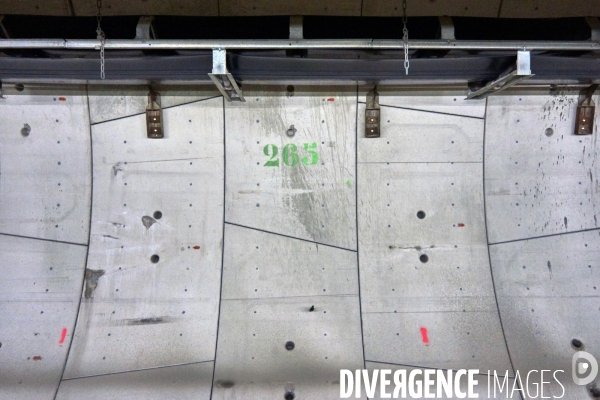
[[91, 281]]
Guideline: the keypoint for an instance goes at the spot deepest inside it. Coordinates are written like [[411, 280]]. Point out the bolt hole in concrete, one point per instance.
[[424, 258], [154, 258], [289, 345], [421, 214], [289, 396], [25, 130], [577, 344], [157, 215], [549, 132], [19, 87], [290, 88], [291, 131]]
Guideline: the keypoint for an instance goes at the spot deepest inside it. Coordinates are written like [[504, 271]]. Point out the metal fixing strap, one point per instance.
[[521, 71], [144, 30], [224, 81], [584, 121], [372, 114]]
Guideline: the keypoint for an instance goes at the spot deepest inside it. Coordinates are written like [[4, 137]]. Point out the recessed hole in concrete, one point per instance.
[[549, 132], [25, 130], [289, 345], [225, 384], [424, 258], [157, 215], [289, 396], [19, 87], [291, 131], [290, 88], [421, 214], [576, 343], [154, 258]]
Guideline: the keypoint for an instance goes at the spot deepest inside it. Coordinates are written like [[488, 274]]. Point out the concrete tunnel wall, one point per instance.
[[510, 231]]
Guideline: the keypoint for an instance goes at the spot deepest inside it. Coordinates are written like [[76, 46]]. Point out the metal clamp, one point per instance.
[[507, 79], [144, 28], [154, 126], [594, 24], [446, 28], [584, 121], [228, 87], [372, 114], [6, 35]]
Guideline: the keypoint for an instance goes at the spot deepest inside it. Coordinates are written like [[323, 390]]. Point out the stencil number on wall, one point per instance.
[[290, 156]]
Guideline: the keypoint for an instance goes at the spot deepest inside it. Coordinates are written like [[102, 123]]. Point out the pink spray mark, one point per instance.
[[424, 336], [63, 336]]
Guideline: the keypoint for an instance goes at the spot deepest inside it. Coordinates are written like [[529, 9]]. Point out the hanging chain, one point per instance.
[[405, 37], [101, 36]]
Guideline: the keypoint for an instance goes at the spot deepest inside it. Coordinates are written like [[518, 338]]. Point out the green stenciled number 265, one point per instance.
[[289, 155]]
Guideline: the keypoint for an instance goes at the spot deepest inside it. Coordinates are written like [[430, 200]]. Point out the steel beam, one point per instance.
[[284, 44]]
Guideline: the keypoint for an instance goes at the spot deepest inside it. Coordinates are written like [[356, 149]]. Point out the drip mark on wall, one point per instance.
[[148, 221], [91, 281]]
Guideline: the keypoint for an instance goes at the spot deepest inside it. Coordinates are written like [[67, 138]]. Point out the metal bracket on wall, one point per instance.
[[228, 87], [446, 28], [507, 79], [584, 121], [372, 114], [296, 27], [594, 24], [4, 31], [144, 28], [154, 124]]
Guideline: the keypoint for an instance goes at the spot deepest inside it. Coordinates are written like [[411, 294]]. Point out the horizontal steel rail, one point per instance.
[[282, 44]]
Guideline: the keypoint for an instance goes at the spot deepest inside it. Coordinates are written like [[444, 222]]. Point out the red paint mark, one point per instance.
[[424, 335], [63, 336], [331, 99], [196, 247], [37, 358], [62, 99], [461, 225]]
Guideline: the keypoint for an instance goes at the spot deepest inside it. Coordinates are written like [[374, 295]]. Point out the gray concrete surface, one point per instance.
[[320, 250]]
